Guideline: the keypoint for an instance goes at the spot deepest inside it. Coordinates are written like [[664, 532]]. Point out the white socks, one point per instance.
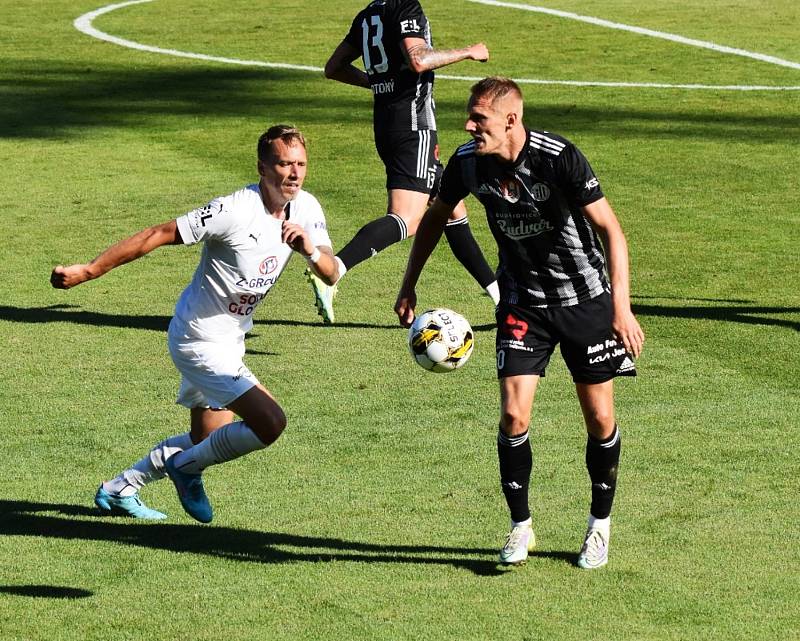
[[225, 444], [148, 469], [603, 525]]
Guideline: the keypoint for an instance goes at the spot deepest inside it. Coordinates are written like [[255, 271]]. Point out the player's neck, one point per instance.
[[513, 148], [273, 206]]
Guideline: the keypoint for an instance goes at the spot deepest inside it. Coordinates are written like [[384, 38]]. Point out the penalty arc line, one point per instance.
[[84, 24]]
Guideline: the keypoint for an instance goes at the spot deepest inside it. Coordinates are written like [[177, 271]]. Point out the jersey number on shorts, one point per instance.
[[374, 40]]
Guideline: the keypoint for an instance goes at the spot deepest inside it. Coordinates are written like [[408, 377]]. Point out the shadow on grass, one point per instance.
[[45, 591], [735, 313], [54, 98], [23, 518], [72, 314]]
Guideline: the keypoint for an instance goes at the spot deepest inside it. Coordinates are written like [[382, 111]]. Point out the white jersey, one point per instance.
[[242, 257]]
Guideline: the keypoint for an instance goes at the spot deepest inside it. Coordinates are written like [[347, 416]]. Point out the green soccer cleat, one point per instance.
[[323, 296], [594, 552], [113, 505], [519, 542]]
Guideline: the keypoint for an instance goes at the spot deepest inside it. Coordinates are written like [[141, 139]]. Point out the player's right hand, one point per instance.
[[65, 277], [404, 307], [479, 52]]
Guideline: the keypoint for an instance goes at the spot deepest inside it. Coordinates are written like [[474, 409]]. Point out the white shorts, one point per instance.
[[212, 374]]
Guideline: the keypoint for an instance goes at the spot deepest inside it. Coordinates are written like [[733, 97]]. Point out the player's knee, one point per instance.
[[268, 424], [599, 422], [514, 423]]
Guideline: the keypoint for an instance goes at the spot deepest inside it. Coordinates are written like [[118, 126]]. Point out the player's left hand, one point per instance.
[[404, 307], [627, 329], [295, 236]]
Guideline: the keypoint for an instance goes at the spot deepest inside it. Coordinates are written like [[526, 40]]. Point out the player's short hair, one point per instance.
[[287, 133], [495, 88]]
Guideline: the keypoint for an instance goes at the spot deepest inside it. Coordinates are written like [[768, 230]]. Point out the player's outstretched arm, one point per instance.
[[624, 323], [122, 252], [421, 57], [340, 66], [427, 237]]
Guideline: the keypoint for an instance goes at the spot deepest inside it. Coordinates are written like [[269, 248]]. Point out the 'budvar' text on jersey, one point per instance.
[[403, 98], [243, 255], [550, 256]]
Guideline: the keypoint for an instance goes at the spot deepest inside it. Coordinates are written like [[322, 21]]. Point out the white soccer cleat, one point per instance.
[[519, 542], [323, 296], [594, 552]]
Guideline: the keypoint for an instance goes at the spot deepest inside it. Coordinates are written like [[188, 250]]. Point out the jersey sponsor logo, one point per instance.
[[380, 88], [509, 188], [592, 183], [516, 327], [268, 265], [409, 26], [520, 229], [540, 192], [266, 281], [245, 304]]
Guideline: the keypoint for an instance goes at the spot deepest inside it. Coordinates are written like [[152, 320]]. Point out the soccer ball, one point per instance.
[[440, 340]]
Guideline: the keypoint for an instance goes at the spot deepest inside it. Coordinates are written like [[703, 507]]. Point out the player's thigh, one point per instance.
[[459, 212], [411, 161], [212, 374], [408, 205], [262, 413], [524, 342], [590, 349], [516, 401]]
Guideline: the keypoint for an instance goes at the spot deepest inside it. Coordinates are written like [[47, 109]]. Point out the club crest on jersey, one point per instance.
[[509, 188], [540, 192], [268, 265]]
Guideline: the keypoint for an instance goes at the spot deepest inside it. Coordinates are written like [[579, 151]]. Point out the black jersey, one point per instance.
[[550, 256], [403, 98]]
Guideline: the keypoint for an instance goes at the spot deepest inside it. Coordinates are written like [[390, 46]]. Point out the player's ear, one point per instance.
[[511, 120], [260, 167]]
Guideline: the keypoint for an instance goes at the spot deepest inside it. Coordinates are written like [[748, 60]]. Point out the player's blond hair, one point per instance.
[[287, 133]]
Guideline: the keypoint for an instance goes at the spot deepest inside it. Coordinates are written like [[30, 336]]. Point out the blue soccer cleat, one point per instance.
[[190, 492], [113, 505]]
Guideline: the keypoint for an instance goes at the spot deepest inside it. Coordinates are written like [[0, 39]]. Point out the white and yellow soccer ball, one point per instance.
[[440, 340]]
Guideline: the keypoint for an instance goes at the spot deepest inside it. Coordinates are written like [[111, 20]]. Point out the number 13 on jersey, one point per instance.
[[372, 41]]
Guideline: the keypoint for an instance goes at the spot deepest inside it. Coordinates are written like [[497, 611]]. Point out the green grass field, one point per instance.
[[378, 514]]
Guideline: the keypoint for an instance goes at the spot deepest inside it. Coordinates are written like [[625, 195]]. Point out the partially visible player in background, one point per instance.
[[248, 239], [564, 279], [393, 38]]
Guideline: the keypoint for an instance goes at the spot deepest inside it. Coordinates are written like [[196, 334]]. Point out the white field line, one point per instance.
[[84, 25], [644, 32]]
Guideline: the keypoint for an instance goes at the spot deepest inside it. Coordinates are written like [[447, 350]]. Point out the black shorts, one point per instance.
[[527, 337], [411, 160]]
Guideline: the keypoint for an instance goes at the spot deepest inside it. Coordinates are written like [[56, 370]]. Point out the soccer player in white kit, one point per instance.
[[248, 239]]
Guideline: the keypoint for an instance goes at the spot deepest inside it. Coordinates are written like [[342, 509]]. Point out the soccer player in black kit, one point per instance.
[[563, 278], [393, 39]]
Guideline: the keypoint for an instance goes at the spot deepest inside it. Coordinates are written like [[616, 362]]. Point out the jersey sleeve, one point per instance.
[[452, 189], [410, 20], [315, 225], [208, 222], [577, 177], [353, 37]]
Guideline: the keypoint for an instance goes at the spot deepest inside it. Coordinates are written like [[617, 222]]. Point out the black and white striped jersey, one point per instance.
[[550, 256], [403, 98]]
